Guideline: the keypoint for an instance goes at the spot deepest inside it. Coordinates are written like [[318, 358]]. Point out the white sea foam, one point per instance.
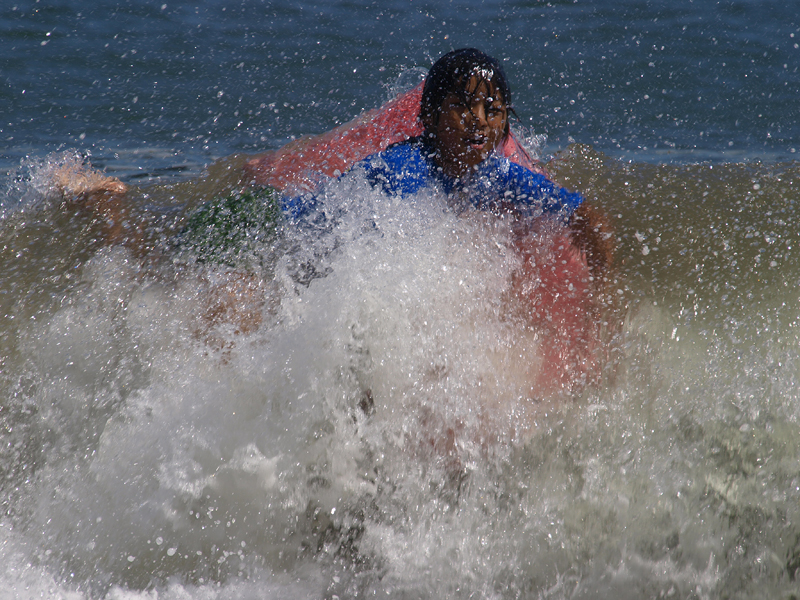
[[366, 439]]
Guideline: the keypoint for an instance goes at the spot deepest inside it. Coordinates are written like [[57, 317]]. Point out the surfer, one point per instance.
[[452, 133], [461, 143], [464, 116], [464, 135]]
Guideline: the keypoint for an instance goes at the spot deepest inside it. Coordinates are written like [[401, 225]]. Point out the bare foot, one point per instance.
[[77, 181], [101, 196]]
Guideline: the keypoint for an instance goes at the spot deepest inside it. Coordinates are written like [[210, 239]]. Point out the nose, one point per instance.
[[478, 113]]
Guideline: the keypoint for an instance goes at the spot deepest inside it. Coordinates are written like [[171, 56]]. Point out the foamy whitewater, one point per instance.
[[379, 434], [307, 454]]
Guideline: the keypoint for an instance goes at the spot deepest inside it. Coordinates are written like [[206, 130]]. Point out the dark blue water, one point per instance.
[[181, 84], [144, 456]]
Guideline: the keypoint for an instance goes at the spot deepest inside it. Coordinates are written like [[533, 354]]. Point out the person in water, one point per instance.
[[464, 112]]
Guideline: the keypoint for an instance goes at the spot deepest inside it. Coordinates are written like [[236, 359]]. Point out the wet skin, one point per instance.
[[470, 127]]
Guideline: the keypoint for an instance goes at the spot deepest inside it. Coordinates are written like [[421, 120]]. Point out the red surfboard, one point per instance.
[[552, 289]]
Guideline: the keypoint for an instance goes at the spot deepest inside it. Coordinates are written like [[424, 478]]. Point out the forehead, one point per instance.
[[479, 85]]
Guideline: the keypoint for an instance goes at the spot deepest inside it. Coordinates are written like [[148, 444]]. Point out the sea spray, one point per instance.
[[340, 447]]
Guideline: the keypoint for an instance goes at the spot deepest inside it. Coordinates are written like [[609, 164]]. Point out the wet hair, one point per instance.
[[451, 74]]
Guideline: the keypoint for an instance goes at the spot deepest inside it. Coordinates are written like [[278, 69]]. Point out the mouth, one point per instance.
[[476, 141]]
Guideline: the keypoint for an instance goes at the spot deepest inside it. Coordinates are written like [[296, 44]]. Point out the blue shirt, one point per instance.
[[497, 184]]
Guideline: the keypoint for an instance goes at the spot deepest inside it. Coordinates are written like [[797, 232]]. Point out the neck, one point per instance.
[[453, 169]]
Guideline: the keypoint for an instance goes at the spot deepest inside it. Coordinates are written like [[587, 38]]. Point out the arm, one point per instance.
[[506, 186], [594, 236], [591, 230]]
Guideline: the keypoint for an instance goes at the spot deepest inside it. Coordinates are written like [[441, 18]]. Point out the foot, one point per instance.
[[76, 181]]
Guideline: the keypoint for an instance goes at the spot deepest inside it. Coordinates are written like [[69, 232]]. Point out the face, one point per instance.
[[470, 127]]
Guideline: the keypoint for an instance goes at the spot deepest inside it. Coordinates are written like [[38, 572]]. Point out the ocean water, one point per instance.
[[150, 451]]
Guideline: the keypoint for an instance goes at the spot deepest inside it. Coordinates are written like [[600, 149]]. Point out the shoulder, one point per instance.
[[400, 169], [527, 187], [503, 166], [505, 173], [398, 157]]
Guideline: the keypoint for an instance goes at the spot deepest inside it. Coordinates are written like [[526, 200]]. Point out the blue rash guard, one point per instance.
[[497, 184]]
